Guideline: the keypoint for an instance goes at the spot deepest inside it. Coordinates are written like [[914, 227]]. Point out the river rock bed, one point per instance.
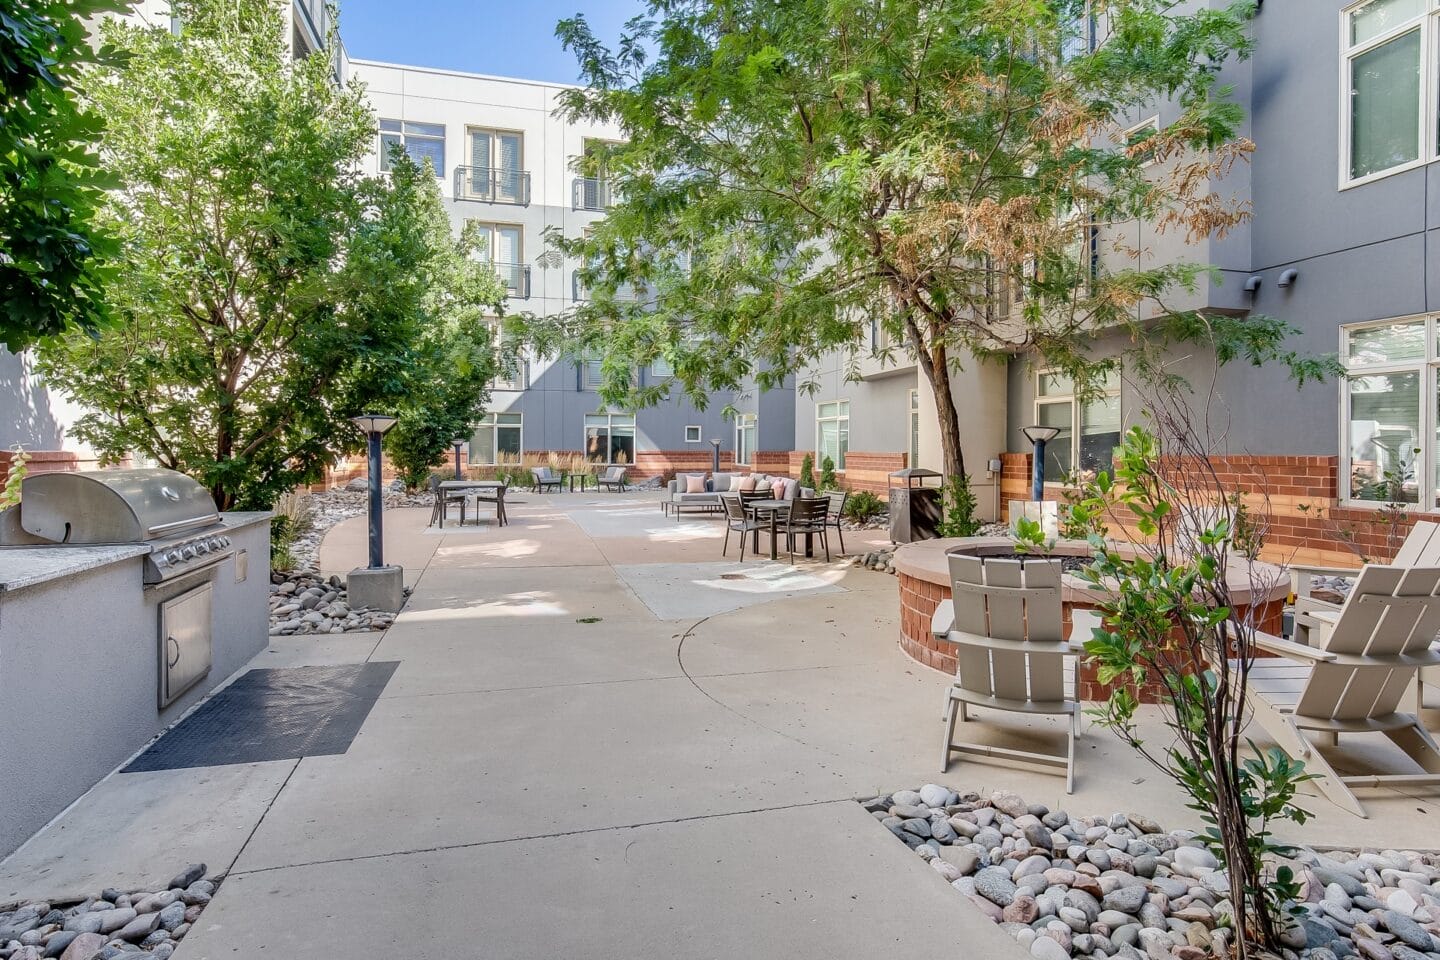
[[306, 603], [323, 510], [1123, 886], [144, 924]]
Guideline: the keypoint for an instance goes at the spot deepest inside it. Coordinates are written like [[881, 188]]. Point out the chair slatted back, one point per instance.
[[809, 512], [837, 503], [1009, 600], [1421, 547], [734, 507], [750, 496], [1391, 611]]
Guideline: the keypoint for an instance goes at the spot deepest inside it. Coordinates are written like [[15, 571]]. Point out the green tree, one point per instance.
[[791, 172], [51, 181], [268, 291]]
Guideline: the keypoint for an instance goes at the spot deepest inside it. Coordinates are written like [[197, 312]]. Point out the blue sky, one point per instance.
[[512, 38]]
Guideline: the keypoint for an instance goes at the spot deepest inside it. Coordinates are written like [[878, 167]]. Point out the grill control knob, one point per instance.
[[224, 541], [172, 556], [202, 547], [187, 553]]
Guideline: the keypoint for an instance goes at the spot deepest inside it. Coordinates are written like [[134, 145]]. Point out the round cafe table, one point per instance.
[[774, 508]]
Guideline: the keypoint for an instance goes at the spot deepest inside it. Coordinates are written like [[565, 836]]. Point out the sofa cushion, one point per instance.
[[747, 484], [720, 482], [777, 489], [695, 497], [792, 489], [736, 484], [694, 484]]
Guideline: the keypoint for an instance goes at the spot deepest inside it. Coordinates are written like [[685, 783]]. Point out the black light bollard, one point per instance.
[[1039, 436], [377, 586]]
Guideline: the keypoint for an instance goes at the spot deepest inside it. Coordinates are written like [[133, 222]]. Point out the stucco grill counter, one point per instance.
[[125, 597]]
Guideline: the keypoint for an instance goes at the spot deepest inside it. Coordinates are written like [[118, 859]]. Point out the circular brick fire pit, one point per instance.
[[923, 570]]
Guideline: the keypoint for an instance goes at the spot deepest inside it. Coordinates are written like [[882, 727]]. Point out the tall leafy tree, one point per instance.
[[948, 169], [51, 182], [267, 290]]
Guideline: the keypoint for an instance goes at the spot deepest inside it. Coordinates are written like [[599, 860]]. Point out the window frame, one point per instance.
[[1152, 122], [840, 417], [699, 433], [609, 428], [746, 423], [1427, 366], [913, 422], [1077, 414], [1427, 22], [492, 421], [443, 139], [520, 289]]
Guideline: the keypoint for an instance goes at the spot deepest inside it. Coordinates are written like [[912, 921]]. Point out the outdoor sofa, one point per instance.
[[679, 500]]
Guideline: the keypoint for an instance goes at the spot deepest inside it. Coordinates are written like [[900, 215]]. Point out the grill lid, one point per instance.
[[113, 506]]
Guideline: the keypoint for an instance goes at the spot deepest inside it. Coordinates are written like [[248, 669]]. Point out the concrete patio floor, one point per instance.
[[672, 778]]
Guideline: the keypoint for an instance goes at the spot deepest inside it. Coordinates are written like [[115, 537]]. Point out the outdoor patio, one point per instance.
[[603, 739]]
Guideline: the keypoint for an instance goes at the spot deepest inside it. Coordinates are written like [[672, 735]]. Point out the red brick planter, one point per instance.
[[924, 579]]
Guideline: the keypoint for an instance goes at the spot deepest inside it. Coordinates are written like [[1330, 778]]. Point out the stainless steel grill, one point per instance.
[[166, 510]]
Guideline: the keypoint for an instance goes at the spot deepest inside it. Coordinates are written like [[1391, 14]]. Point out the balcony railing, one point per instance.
[[578, 291], [588, 193], [493, 185], [516, 277]]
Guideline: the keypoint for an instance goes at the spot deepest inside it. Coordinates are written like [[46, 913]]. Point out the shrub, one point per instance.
[[14, 474], [1171, 619], [960, 519], [807, 471], [863, 505], [827, 475]]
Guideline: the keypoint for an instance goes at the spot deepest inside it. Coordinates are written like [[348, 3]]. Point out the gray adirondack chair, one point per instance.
[[1005, 621], [1353, 677]]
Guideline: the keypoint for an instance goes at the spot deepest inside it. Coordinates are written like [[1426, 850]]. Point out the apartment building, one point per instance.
[[506, 163], [1341, 100]]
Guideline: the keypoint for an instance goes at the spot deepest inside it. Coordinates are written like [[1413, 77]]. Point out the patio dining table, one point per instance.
[[471, 485], [774, 508]]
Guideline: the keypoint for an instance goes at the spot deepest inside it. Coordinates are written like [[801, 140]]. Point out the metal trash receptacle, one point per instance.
[[915, 508]]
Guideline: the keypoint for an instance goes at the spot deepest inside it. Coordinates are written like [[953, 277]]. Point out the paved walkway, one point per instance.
[[602, 740]]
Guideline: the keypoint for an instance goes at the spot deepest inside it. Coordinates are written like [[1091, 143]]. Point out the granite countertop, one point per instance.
[[22, 567], [28, 566]]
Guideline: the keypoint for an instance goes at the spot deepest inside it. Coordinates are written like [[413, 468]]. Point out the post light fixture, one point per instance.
[[714, 456], [1039, 435], [374, 425], [458, 442]]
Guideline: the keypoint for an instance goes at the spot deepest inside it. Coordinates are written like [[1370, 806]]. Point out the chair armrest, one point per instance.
[[1291, 650], [942, 621]]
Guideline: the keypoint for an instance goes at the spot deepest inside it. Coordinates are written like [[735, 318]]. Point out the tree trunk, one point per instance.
[[937, 371]]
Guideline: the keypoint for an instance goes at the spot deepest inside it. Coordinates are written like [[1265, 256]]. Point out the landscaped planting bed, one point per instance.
[[1123, 886], [133, 924]]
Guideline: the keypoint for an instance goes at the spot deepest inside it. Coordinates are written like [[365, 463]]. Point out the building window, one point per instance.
[[1392, 369], [425, 142], [1089, 430], [610, 438], [661, 369], [692, 433], [914, 429], [832, 432], [1077, 34], [502, 245], [1386, 116], [496, 171], [1136, 139], [497, 439], [746, 430]]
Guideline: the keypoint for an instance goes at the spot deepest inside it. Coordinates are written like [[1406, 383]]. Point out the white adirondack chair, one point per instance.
[[1314, 617], [1353, 677], [1005, 620]]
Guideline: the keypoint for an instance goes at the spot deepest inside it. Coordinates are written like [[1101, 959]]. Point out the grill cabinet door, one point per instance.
[[184, 642]]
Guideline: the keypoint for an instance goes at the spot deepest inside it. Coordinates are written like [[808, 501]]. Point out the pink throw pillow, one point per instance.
[[694, 484], [777, 490], [747, 484]]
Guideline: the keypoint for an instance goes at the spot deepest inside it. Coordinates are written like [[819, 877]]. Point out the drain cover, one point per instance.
[[733, 576], [280, 714]]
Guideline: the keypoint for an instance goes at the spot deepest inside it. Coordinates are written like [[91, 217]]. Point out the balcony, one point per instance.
[[627, 292], [589, 193], [493, 185], [516, 277]]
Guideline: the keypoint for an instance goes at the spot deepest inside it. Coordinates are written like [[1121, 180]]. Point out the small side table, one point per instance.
[[584, 478]]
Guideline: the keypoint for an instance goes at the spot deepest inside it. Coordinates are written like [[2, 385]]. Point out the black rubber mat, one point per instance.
[[281, 714]]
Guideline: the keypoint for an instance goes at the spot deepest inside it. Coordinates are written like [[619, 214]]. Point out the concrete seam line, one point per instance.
[[266, 812], [544, 836]]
